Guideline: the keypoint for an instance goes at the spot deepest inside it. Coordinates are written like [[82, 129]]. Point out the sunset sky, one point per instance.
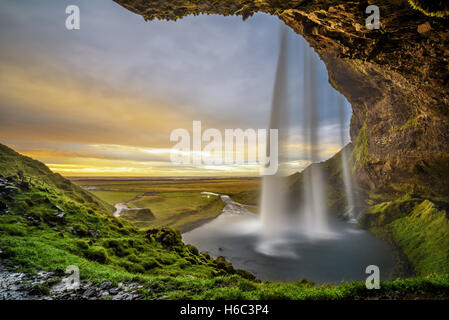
[[103, 100]]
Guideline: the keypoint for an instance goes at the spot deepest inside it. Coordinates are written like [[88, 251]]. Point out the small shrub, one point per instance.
[[132, 267], [150, 263], [193, 249], [245, 274], [97, 254]]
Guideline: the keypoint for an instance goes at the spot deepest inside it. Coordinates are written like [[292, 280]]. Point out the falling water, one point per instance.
[[295, 241], [347, 179], [277, 223], [313, 210], [274, 215]]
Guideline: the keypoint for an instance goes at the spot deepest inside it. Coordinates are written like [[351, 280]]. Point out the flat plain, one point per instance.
[[176, 203]]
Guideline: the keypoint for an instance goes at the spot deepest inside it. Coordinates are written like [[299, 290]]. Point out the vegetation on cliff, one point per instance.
[[419, 227], [433, 8]]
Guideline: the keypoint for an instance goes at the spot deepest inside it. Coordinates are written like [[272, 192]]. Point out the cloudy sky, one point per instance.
[[104, 99]]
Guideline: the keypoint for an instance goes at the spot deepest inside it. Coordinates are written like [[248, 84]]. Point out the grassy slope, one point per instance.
[[11, 164], [119, 252], [420, 227]]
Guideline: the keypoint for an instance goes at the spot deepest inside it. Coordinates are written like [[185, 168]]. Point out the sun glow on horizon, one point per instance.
[[123, 163]]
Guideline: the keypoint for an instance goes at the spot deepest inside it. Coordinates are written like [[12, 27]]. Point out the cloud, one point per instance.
[[104, 99]]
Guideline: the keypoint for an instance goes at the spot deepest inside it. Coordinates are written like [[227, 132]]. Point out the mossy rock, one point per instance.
[[150, 263], [224, 265], [193, 249], [133, 258], [117, 247], [305, 282], [82, 244], [169, 238], [384, 213], [132, 267], [424, 237], [97, 254], [245, 274], [206, 255], [81, 230], [165, 260]]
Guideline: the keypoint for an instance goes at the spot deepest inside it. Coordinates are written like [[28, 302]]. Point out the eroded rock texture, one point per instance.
[[396, 78]]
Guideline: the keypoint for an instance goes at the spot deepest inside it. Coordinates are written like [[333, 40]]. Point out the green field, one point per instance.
[[231, 186], [113, 197], [174, 203]]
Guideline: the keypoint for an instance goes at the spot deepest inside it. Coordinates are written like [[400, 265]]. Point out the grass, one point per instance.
[[114, 197], [424, 235], [166, 204], [249, 197], [118, 252], [231, 186], [419, 227]]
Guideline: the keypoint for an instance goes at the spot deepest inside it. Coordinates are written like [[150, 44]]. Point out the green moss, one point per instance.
[[96, 254], [382, 214], [424, 237], [132, 267], [42, 289], [13, 229], [433, 8], [412, 122], [416, 226], [360, 154]]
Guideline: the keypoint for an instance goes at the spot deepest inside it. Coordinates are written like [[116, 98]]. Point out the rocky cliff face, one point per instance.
[[396, 78]]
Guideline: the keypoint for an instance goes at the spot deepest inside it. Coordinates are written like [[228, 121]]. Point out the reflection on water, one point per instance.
[[340, 255]]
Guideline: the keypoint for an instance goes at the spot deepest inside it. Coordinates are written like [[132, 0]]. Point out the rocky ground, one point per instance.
[[9, 188], [16, 285]]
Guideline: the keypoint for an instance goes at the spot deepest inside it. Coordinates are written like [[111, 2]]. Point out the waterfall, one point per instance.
[[274, 215], [278, 220], [313, 209], [347, 178]]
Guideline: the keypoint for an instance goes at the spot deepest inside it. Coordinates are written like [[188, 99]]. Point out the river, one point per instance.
[[344, 256]]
